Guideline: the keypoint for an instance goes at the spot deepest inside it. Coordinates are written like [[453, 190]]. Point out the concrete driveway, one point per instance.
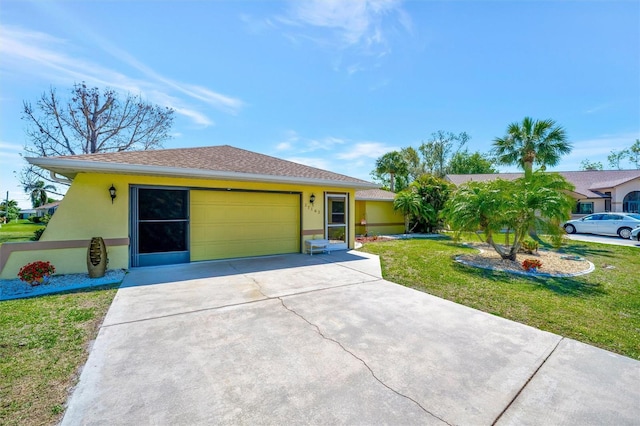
[[325, 340], [603, 239]]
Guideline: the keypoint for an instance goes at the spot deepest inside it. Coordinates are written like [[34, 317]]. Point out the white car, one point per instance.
[[621, 224], [635, 234]]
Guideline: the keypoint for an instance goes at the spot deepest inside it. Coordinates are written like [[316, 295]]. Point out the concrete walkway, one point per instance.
[[325, 340]]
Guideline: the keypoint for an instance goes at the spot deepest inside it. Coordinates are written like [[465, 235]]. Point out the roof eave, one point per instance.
[[70, 168]]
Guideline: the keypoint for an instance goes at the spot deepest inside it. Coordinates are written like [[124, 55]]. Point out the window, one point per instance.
[[584, 208], [607, 202], [631, 202]]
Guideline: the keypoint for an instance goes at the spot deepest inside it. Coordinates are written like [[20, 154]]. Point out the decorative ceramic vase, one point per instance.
[[97, 258]]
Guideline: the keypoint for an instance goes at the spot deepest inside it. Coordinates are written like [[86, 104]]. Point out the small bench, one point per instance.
[[317, 246]]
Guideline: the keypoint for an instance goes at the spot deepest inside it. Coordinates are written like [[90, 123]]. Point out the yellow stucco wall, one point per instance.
[[87, 212], [380, 218], [66, 261]]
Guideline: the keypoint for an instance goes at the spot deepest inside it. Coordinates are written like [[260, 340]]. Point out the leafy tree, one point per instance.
[[91, 121], [434, 193], [464, 163], [409, 203], [590, 165], [415, 165], [539, 201], [437, 151], [392, 164], [9, 210], [38, 192], [615, 158], [632, 154], [531, 142]]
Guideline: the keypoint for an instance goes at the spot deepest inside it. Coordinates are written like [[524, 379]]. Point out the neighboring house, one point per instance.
[[40, 211], [47, 209], [595, 191], [375, 214], [185, 205], [26, 213]]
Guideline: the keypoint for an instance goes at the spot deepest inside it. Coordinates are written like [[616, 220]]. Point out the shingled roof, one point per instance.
[[588, 183], [375, 195], [220, 162]]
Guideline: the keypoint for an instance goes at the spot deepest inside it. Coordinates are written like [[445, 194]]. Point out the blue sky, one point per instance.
[[333, 84]]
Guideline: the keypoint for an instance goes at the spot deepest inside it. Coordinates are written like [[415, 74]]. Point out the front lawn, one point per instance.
[[21, 230], [601, 308], [43, 342]]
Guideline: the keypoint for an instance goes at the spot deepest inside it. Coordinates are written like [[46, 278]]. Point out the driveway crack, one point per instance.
[[361, 360], [255, 282], [527, 382]]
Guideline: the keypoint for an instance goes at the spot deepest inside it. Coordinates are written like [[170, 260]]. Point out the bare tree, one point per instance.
[[92, 121], [438, 150]]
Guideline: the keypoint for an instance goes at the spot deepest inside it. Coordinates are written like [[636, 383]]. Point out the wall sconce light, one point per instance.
[[312, 198], [112, 193]]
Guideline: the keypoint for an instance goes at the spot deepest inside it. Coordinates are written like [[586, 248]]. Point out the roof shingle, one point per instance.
[[375, 195], [587, 182], [222, 158]]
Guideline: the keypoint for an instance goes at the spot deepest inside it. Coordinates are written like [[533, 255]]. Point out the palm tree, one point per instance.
[[540, 201], [38, 192], [409, 204], [532, 141], [9, 210], [391, 163]]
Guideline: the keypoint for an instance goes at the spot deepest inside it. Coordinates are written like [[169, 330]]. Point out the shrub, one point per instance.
[[529, 246], [35, 219], [37, 234], [529, 264], [36, 271]]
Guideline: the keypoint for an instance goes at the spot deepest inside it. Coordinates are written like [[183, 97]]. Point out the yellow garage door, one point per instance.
[[226, 224]]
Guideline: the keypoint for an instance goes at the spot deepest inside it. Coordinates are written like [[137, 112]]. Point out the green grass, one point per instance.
[[43, 343], [601, 308], [21, 230]]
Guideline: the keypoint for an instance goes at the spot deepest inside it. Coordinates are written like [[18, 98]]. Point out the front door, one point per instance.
[[337, 219], [159, 226]]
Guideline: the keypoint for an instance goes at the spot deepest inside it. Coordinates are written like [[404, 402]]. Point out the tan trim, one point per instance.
[[313, 231], [7, 248]]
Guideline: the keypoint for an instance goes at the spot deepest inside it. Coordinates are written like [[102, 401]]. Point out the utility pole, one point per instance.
[[6, 208]]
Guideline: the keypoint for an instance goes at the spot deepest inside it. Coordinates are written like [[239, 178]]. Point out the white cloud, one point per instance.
[[9, 147], [284, 146], [598, 108], [320, 163], [339, 155], [36, 53], [346, 24], [293, 142], [367, 150]]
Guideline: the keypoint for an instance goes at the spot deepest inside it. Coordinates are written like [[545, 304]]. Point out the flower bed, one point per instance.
[[556, 264]]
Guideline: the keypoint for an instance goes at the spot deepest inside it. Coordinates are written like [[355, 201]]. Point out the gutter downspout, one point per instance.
[[61, 180]]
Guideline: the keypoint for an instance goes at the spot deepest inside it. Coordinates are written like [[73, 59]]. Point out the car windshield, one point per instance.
[[635, 216]]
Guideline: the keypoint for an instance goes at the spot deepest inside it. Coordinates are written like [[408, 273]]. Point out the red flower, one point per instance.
[[35, 271], [529, 264]]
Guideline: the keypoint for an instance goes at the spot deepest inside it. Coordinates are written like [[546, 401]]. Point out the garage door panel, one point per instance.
[[239, 224]]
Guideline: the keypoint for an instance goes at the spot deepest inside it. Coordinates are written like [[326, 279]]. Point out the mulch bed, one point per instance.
[[553, 263]]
